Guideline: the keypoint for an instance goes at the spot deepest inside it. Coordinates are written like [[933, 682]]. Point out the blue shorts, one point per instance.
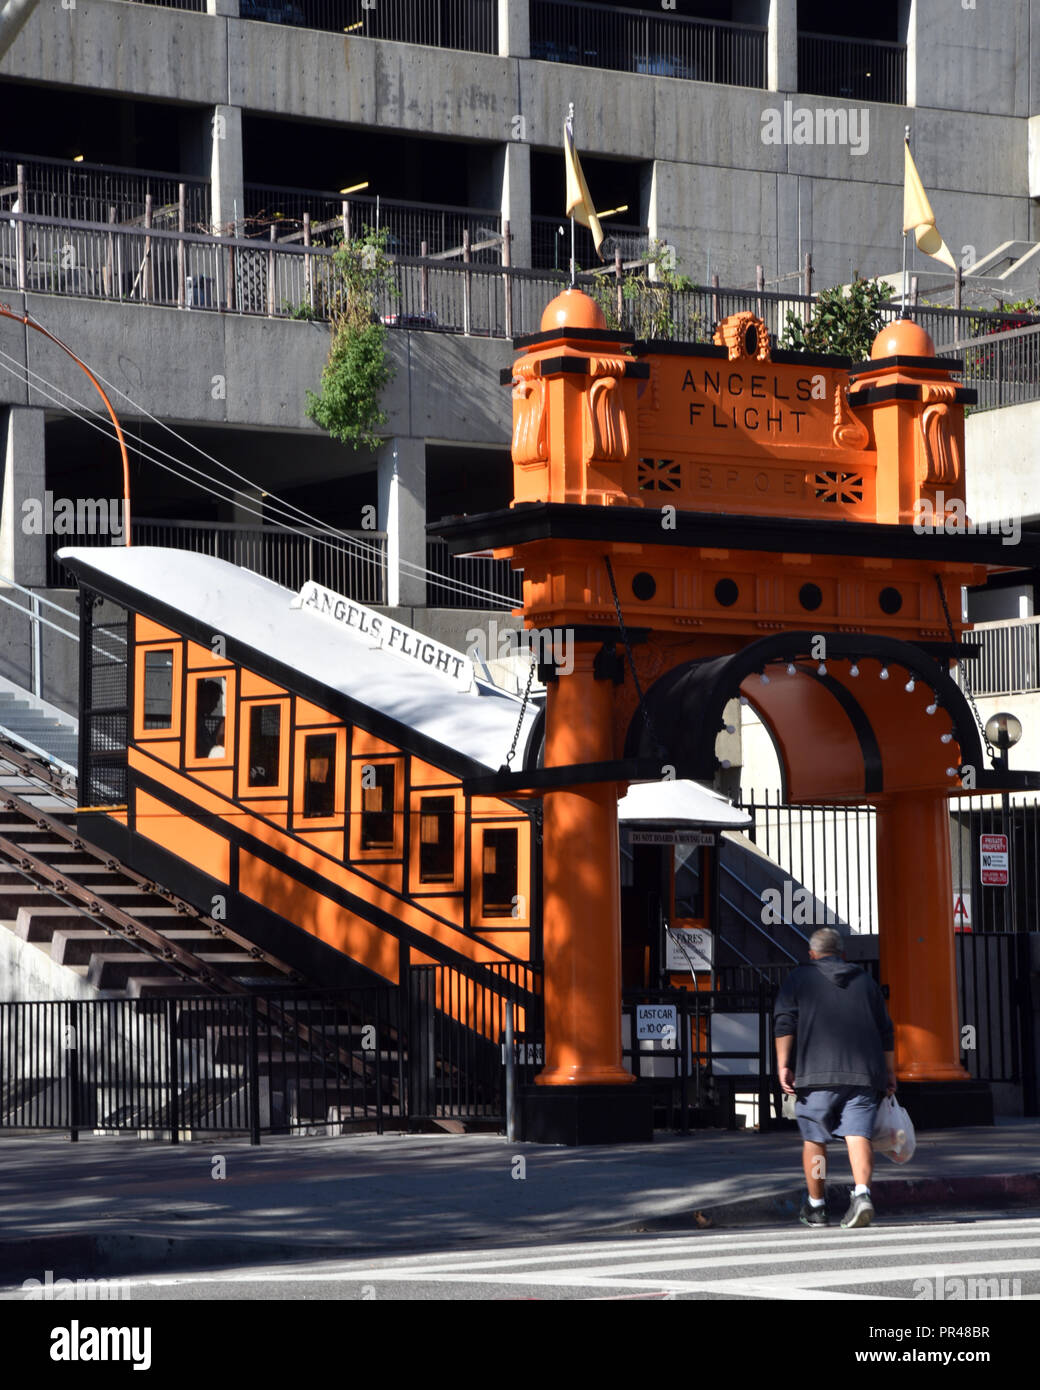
[[823, 1115]]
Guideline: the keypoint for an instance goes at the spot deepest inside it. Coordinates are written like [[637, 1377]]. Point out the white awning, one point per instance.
[[679, 802]]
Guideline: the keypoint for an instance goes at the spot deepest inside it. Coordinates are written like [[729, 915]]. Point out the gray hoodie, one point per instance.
[[837, 1016]]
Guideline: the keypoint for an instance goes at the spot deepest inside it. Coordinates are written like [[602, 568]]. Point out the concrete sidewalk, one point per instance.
[[111, 1206]]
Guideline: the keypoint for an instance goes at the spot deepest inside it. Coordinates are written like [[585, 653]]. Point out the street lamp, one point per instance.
[[1005, 730]]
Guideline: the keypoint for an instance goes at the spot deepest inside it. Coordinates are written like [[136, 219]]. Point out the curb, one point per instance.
[[890, 1194], [109, 1255]]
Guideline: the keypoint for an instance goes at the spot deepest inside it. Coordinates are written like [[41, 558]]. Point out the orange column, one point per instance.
[[581, 913], [915, 912]]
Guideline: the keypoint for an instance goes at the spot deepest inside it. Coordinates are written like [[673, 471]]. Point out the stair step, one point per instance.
[[39, 923]]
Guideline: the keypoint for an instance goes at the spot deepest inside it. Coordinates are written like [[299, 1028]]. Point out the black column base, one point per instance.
[[586, 1114], [946, 1104]]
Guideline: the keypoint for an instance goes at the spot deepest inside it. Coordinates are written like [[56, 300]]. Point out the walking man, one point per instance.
[[831, 1023]]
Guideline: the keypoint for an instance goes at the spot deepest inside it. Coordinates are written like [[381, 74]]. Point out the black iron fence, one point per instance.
[[998, 1020], [829, 851], [1009, 907], [653, 42], [854, 69], [457, 1031], [179, 1066], [698, 1050]]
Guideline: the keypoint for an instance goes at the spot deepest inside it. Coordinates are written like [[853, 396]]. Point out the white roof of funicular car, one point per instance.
[[679, 802], [245, 607]]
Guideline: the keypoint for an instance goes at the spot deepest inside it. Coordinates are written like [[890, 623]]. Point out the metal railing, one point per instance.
[[242, 275], [1008, 657], [199, 6], [441, 226], [993, 972], [490, 580], [456, 1030], [271, 1062], [1002, 366], [354, 566], [853, 69], [551, 243], [34, 652], [471, 25], [69, 191], [721, 1047], [193, 1065], [828, 850], [653, 42]]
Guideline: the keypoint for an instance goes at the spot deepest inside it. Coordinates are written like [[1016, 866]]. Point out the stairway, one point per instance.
[[97, 919], [38, 727]]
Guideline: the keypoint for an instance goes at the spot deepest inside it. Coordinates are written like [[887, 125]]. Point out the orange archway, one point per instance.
[[707, 520]]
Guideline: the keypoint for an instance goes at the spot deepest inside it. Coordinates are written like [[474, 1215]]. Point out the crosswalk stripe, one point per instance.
[[863, 1247]]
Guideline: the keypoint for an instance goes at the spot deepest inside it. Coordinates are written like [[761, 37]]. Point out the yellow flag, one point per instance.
[[918, 216], [579, 203]]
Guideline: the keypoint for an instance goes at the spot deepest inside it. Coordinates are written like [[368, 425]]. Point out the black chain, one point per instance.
[[655, 741], [519, 723], [964, 673]]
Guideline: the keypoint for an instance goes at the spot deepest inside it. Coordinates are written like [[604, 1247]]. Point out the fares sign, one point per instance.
[[381, 631]]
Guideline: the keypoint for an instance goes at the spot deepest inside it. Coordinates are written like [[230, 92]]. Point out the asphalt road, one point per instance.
[[958, 1260]]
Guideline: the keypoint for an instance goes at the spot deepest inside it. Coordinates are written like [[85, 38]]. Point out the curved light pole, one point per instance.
[[8, 313]]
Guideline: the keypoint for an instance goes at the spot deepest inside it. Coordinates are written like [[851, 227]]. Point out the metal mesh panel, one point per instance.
[[108, 733], [106, 786]]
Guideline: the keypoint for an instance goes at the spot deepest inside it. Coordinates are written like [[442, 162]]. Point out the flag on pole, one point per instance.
[[579, 203], [918, 216]]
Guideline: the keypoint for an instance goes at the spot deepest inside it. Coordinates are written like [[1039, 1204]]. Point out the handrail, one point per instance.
[[186, 524], [992, 623], [848, 38], [336, 196], [77, 166], [1002, 335], [669, 15]]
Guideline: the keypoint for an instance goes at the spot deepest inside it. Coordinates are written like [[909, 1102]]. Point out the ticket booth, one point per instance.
[[670, 883]]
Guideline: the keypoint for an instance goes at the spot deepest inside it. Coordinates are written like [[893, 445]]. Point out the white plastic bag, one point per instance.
[[894, 1132]]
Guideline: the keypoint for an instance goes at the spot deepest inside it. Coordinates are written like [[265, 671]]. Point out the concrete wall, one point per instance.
[[226, 369], [60, 654], [1008, 439]]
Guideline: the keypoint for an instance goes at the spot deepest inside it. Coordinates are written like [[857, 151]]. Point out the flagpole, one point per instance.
[[906, 141], [570, 127]]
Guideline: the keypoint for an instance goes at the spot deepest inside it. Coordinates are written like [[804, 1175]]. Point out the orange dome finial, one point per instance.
[[572, 310], [902, 338]]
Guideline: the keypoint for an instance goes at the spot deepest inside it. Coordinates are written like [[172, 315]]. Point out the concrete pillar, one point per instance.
[[23, 557], [402, 515], [782, 46], [226, 8], [1033, 127], [908, 24], [516, 199], [915, 910], [227, 191], [514, 28]]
